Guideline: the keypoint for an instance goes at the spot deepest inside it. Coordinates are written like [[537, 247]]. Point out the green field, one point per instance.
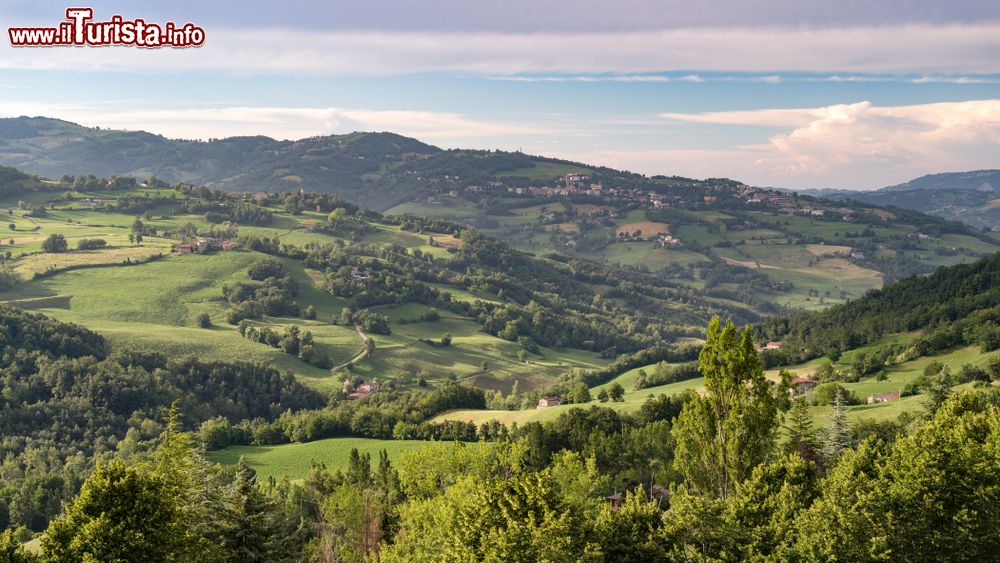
[[544, 171], [294, 460]]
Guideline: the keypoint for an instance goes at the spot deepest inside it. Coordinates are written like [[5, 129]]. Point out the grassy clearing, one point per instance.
[[294, 460], [647, 229], [403, 354], [544, 171]]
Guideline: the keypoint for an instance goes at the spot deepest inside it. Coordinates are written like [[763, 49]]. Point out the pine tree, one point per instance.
[[248, 529], [838, 437], [359, 469], [801, 434]]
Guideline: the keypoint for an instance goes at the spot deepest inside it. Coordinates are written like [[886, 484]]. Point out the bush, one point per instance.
[[204, 321], [55, 243], [309, 314], [8, 278], [91, 244]]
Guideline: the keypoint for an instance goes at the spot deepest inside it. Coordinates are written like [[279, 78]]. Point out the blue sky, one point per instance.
[[800, 94]]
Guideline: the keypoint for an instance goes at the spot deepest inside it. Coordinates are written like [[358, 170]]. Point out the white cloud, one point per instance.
[[853, 145], [917, 49]]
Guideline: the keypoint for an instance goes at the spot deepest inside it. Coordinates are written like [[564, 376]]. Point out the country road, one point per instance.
[[360, 355]]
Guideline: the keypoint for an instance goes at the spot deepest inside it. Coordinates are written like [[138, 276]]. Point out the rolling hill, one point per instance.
[[374, 170], [971, 197]]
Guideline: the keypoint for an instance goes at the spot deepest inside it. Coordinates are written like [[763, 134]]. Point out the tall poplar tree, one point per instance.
[[723, 435]]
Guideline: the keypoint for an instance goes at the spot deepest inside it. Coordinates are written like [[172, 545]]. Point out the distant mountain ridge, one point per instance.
[[374, 170], [970, 197]]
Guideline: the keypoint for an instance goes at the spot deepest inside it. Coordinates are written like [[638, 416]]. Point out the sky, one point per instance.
[[792, 93]]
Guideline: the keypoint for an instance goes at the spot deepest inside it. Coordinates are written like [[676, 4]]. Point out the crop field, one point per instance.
[[648, 229]]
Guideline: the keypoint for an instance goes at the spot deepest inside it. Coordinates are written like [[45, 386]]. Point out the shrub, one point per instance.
[[204, 321], [91, 244], [55, 243]]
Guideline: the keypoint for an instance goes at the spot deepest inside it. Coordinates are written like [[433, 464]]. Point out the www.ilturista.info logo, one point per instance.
[[79, 30]]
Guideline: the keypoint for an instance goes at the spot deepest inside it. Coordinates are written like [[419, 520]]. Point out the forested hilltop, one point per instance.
[[953, 306], [374, 170]]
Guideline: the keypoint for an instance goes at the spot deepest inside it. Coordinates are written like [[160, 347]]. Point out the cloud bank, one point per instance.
[[911, 48]]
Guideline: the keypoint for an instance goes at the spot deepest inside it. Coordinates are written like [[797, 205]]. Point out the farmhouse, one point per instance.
[[363, 390], [552, 401], [669, 240], [773, 345], [883, 397]]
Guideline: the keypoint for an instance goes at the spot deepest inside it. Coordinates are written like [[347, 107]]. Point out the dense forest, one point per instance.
[[65, 401]]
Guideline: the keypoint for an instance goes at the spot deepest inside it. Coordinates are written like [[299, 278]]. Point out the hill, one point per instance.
[[374, 170], [955, 306], [766, 250], [406, 282], [722, 238], [970, 197]]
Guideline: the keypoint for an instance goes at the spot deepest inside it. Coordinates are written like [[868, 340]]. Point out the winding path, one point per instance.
[[360, 355]]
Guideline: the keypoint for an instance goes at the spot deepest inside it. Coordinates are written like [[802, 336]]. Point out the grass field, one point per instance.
[[544, 171], [154, 305], [294, 460]]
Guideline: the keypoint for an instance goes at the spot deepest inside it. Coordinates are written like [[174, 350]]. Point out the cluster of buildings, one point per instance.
[[363, 390], [360, 274], [204, 245]]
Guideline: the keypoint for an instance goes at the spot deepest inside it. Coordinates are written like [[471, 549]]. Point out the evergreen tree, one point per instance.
[[359, 468], [838, 435], [801, 434], [248, 529]]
